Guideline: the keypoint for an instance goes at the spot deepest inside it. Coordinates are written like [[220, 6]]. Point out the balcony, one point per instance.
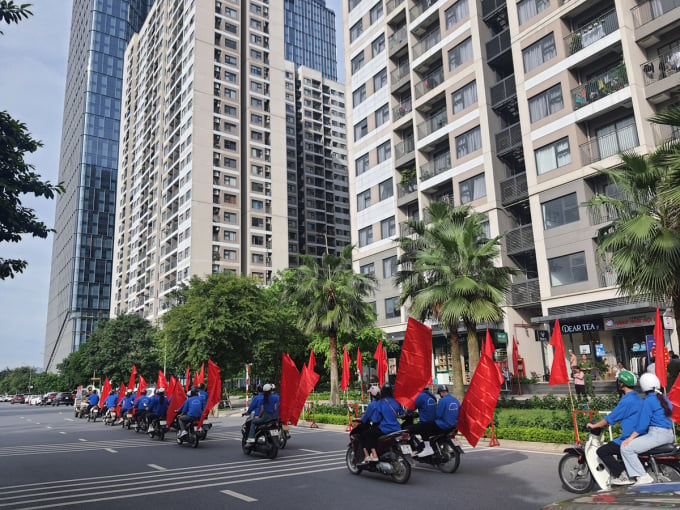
[[404, 151], [431, 81], [514, 189], [504, 95], [421, 7], [524, 293], [397, 40], [498, 46], [435, 167], [650, 10], [661, 75], [405, 230], [601, 214], [664, 133], [400, 76], [406, 189], [427, 42], [391, 5], [606, 276], [519, 240], [600, 86], [610, 144], [435, 122], [592, 32], [399, 111], [508, 140], [490, 7]]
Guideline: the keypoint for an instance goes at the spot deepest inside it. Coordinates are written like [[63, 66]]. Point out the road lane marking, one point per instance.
[[238, 495], [310, 451], [62, 432], [156, 466], [49, 427], [81, 439], [110, 450], [69, 419]]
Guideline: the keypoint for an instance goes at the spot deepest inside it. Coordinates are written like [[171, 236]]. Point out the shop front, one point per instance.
[[631, 335]]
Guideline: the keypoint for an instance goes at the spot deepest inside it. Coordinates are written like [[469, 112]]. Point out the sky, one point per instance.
[[33, 57]]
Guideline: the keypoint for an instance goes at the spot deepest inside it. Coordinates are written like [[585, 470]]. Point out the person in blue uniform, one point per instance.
[[385, 420], [191, 411], [268, 410]]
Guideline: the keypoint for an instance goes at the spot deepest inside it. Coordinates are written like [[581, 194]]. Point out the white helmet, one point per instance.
[[649, 382], [267, 387]]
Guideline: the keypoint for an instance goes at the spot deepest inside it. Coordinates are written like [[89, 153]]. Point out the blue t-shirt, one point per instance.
[[447, 412], [389, 412], [111, 400], [142, 402], [271, 405], [93, 399], [627, 412], [426, 405], [255, 404], [157, 407], [192, 407], [652, 415], [126, 403], [372, 412]]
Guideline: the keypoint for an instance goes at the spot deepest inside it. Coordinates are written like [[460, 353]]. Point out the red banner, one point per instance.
[[360, 368], [558, 372], [674, 397], [141, 390], [381, 363], [162, 381], [133, 375], [659, 357], [214, 389], [177, 398], [515, 357], [308, 379], [187, 379], [121, 393], [415, 364], [345, 370], [106, 390], [290, 381]]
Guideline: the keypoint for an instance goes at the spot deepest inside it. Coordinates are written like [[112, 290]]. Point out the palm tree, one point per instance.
[[330, 297], [447, 272]]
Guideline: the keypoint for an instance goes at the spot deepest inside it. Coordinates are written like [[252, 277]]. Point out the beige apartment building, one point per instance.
[[509, 107]]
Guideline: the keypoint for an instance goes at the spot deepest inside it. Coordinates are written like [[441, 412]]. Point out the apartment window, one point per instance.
[[255, 70], [568, 269], [387, 228], [230, 94], [230, 60], [385, 189], [363, 200], [527, 9], [389, 266], [229, 235], [230, 110], [229, 163], [359, 95], [356, 30], [384, 152], [378, 45], [357, 62], [382, 115], [229, 180], [257, 222], [255, 118], [617, 137], [552, 156], [365, 236], [257, 204], [456, 13], [229, 217], [376, 12], [464, 97], [472, 189], [361, 164], [469, 142], [360, 129], [460, 54], [230, 145], [539, 52], [380, 80], [229, 254], [257, 240], [256, 86], [392, 308], [546, 103], [560, 211], [367, 268], [257, 258]]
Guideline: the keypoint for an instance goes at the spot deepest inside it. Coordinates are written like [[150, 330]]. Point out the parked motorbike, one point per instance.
[[580, 468], [266, 438], [447, 450], [190, 438], [394, 454]]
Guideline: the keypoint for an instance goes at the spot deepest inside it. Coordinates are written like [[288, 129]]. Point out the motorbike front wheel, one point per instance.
[[575, 474], [282, 439], [351, 461], [401, 470], [668, 473], [450, 457]]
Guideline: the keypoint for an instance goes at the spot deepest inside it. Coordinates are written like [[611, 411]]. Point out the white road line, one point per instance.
[[238, 495], [62, 432], [310, 451], [156, 466], [69, 419], [81, 439], [49, 427], [111, 450]]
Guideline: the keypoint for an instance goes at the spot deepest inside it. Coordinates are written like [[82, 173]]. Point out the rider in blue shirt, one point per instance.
[[426, 405], [92, 400], [141, 406], [384, 417], [446, 418], [268, 411], [191, 411], [158, 406], [126, 404]]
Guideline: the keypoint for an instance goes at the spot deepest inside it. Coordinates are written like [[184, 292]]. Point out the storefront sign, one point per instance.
[[580, 327], [629, 321], [502, 338]]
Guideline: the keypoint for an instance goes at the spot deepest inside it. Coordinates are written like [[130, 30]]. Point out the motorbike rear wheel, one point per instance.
[[450, 457], [401, 470], [668, 473], [351, 461], [194, 439], [575, 475]]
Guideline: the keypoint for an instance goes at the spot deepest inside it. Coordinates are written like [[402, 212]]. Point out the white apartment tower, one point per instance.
[[508, 106]]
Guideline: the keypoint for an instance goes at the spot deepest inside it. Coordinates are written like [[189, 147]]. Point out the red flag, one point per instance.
[[187, 378], [290, 381], [515, 357], [162, 381], [142, 386], [674, 397], [558, 372], [214, 389], [121, 393], [480, 399], [312, 361], [106, 390], [131, 384], [177, 398], [415, 364], [171, 386], [659, 357], [345, 370], [360, 368], [308, 380], [201, 374], [381, 365]]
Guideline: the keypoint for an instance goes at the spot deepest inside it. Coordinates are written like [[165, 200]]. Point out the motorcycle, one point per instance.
[[284, 435], [203, 431], [266, 438], [394, 455], [81, 412], [127, 419], [157, 428], [191, 437], [447, 450], [109, 416], [94, 412], [141, 423], [580, 469]]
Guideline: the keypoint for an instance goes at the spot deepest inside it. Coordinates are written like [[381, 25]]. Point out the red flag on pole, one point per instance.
[[290, 381], [312, 361], [360, 368], [177, 398], [214, 389], [659, 357], [674, 397], [106, 390], [415, 364], [142, 386], [381, 365], [131, 384], [345, 370], [308, 379], [481, 397], [558, 372], [171, 386], [515, 357], [488, 345], [201, 374], [187, 379], [121, 393], [162, 381]]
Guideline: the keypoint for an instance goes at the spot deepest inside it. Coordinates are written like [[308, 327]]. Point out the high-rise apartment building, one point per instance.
[[82, 253], [509, 107], [310, 36]]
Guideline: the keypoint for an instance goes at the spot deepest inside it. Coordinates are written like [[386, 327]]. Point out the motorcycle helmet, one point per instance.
[[194, 391], [441, 388], [627, 378], [160, 390], [386, 390], [267, 387], [649, 382], [374, 391]]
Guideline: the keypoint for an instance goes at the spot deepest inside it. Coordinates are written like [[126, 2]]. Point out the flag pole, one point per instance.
[[573, 414]]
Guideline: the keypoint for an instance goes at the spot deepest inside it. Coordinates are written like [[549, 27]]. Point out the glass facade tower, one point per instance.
[[310, 36], [80, 282]]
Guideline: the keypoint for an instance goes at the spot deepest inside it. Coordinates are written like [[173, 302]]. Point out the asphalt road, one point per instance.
[[49, 459]]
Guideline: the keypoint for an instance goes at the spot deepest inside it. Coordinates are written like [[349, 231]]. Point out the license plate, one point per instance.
[[274, 432], [163, 423], [405, 449]]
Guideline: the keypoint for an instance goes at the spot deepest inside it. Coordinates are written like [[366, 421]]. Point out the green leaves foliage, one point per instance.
[[13, 13]]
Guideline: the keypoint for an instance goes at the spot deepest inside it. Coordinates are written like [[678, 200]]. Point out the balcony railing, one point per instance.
[[405, 230], [400, 75], [427, 42], [602, 214], [610, 144], [397, 40], [399, 111], [491, 6], [664, 133], [519, 240], [600, 86], [661, 67], [592, 32], [606, 276], [498, 44], [406, 189], [433, 80], [421, 7], [405, 147], [508, 138], [436, 166], [503, 90], [514, 189], [390, 5], [527, 292], [437, 121], [652, 9]]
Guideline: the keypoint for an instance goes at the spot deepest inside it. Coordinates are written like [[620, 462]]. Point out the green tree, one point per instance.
[[330, 297], [447, 272], [13, 13]]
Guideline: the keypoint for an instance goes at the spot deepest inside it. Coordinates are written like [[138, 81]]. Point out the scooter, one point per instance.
[[190, 438], [94, 412], [157, 428], [109, 416], [580, 468], [394, 455], [266, 437], [447, 449], [203, 431]]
